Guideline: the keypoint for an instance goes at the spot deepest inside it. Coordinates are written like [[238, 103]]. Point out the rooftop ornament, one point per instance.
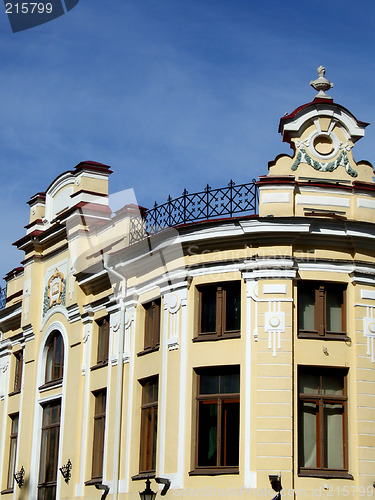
[[321, 84]]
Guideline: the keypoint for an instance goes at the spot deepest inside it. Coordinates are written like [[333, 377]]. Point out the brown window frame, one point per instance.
[[56, 374], [221, 292], [12, 451], [98, 433], [321, 289], [46, 484], [152, 324], [320, 399], [149, 421], [18, 369], [221, 398], [103, 341]]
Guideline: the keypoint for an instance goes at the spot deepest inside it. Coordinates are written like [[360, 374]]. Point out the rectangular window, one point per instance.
[[103, 341], [322, 425], [13, 449], [321, 310], [99, 433], [218, 419], [18, 370], [219, 310], [49, 451], [149, 421], [152, 324]]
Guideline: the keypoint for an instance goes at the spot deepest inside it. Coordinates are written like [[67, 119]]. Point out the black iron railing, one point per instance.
[[3, 297], [209, 204]]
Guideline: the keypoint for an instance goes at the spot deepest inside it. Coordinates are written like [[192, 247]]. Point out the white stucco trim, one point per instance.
[[275, 197], [330, 201], [85, 405], [250, 479], [38, 410], [366, 203]]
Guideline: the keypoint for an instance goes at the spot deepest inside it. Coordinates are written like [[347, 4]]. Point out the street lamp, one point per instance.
[[147, 494]]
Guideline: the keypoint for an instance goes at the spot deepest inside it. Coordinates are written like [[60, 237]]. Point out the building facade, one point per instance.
[[208, 344]]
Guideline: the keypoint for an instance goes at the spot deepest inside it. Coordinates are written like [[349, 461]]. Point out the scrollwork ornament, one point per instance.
[[174, 303], [115, 322]]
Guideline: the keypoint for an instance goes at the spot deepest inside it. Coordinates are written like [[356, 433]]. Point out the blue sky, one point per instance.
[[172, 94]]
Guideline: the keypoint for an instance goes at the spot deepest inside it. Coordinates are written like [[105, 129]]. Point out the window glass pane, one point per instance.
[[150, 391], [209, 384], [207, 449], [307, 435], [51, 454], [230, 383], [103, 341], [332, 385], [230, 423], [55, 414], [15, 424], [306, 308], [334, 449], [58, 358], [148, 439], [233, 307], [12, 462], [309, 383], [334, 301], [208, 308]]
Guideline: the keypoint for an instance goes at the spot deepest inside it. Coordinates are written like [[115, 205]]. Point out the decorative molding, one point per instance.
[[368, 294], [74, 313], [274, 325], [275, 198], [369, 332], [329, 201], [129, 325], [341, 160], [366, 203], [267, 288], [268, 268], [174, 308]]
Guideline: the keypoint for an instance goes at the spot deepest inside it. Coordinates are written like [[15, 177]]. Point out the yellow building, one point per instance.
[[206, 344]]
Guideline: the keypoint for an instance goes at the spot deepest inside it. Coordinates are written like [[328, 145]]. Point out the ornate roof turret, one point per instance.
[[322, 134]]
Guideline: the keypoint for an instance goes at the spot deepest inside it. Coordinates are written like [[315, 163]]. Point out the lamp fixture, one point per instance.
[[275, 481], [18, 476], [65, 471], [147, 494]]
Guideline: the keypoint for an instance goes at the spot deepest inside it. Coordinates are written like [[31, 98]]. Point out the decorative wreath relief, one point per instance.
[[341, 160], [55, 291]]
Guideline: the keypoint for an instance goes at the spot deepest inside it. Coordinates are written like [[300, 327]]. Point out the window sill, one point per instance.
[[203, 337], [147, 351], [208, 471], [8, 490], [324, 473], [93, 481], [340, 337], [99, 365], [144, 475], [18, 391], [51, 385]]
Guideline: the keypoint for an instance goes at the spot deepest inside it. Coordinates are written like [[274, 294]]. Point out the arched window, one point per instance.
[[55, 357]]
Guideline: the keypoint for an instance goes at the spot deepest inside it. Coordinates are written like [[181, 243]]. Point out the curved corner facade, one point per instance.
[[217, 356]]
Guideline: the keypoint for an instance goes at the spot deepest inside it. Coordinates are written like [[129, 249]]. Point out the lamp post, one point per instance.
[[147, 494]]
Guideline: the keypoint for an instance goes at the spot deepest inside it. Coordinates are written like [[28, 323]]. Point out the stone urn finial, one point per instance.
[[321, 84]]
